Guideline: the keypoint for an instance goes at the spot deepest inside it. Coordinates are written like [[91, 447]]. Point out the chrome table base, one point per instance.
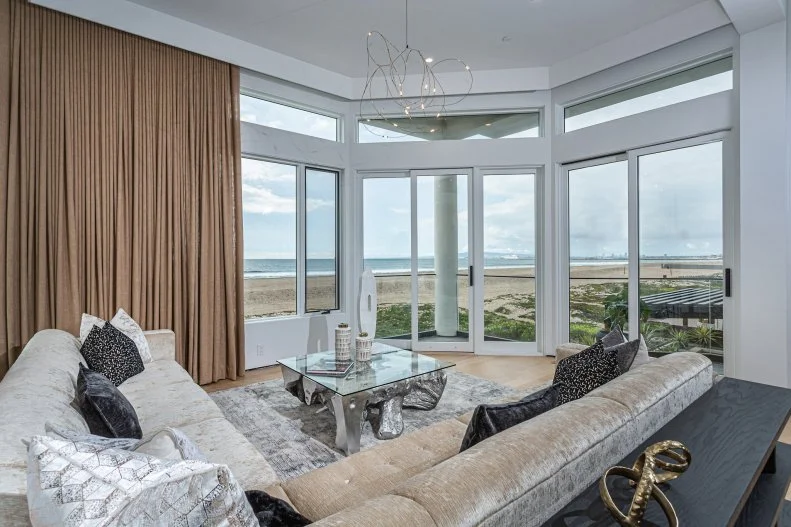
[[379, 406]]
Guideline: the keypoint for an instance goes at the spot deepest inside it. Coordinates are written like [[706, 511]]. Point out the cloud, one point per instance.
[[259, 200]]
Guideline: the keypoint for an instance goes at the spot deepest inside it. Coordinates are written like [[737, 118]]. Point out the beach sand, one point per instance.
[[502, 287]]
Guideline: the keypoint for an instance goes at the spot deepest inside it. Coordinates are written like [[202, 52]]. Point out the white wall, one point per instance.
[[762, 351]]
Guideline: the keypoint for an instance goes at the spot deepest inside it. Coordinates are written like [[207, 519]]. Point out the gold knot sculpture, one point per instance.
[[647, 473]]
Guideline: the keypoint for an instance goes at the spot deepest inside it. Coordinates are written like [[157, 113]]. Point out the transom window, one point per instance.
[[692, 83], [449, 127], [283, 117]]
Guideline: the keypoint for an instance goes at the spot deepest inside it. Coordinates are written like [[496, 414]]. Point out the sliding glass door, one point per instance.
[[647, 247], [454, 256], [417, 239], [681, 267]]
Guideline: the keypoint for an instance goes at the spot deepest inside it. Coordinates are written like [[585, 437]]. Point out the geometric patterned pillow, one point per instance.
[[167, 443], [79, 484], [584, 372]]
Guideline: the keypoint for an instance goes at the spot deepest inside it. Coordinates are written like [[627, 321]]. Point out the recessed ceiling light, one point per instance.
[[429, 60]]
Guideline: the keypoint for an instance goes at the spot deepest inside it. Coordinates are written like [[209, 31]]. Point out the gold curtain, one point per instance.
[[121, 187]]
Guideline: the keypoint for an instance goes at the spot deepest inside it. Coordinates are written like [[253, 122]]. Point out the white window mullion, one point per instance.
[[301, 237], [634, 247]]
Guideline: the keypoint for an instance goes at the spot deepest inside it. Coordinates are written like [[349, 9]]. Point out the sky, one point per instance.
[[680, 197]]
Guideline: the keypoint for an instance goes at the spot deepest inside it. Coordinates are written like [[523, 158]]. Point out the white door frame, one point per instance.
[[564, 256], [481, 346], [729, 226]]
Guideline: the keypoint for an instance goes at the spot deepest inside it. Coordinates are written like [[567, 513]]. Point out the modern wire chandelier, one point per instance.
[[404, 92]]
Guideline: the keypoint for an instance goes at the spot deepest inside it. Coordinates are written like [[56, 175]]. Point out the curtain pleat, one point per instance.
[[121, 187]]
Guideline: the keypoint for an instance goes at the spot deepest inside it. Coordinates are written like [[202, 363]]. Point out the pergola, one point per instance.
[[686, 303]]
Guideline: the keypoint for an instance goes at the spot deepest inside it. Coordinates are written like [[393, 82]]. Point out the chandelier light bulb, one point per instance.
[[432, 130], [429, 60]]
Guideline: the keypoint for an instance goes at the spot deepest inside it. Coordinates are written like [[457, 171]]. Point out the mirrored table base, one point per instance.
[[379, 406]]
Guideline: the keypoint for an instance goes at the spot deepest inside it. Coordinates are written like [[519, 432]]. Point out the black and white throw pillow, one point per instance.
[[105, 409], [584, 372], [625, 354], [491, 419], [111, 353]]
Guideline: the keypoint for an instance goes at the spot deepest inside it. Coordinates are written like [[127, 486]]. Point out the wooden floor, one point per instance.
[[520, 373]]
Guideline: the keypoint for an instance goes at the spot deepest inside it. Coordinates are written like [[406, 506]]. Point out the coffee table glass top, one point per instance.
[[388, 364]]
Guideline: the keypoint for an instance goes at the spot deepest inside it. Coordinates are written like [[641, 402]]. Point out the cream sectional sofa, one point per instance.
[[519, 477], [40, 387]]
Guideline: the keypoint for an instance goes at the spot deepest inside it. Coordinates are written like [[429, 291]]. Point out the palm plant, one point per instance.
[[678, 339], [706, 336]]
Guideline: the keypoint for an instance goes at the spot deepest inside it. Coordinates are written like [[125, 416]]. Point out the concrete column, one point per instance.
[[446, 256]]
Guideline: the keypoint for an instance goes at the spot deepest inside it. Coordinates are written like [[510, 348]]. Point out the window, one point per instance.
[[282, 117], [269, 207], [598, 249], [274, 285], [706, 79], [321, 240], [474, 126]]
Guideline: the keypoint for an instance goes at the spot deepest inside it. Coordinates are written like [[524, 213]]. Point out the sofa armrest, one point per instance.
[[162, 343]]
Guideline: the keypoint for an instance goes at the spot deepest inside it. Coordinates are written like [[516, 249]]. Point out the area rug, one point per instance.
[[296, 438]]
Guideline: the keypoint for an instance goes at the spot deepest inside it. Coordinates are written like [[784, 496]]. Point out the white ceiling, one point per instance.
[[488, 34]]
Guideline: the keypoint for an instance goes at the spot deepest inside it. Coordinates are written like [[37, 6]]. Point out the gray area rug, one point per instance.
[[296, 438]]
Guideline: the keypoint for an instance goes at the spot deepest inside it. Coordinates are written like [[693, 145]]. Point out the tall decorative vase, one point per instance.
[[363, 344], [343, 342]]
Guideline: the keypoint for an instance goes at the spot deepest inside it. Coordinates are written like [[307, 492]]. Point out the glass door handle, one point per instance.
[[471, 279], [727, 281]]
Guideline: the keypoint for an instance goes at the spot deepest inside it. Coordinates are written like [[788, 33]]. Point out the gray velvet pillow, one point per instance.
[[613, 338], [625, 354], [105, 409], [490, 419]]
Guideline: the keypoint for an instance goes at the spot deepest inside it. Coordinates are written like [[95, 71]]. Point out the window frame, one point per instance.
[[339, 136], [301, 237], [540, 110], [561, 108], [338, 219]]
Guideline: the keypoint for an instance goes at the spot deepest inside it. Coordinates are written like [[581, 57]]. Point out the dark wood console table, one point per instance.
[[739, 474]]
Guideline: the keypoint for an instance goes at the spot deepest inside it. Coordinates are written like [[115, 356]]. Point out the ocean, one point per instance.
[[274, 268], [270, 268]]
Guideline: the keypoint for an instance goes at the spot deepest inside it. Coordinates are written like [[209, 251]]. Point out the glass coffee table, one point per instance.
[[375, 391]]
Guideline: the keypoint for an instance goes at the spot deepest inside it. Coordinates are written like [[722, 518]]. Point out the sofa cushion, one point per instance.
[[585, 371], [642, 356], [373, 472], [490, 419], [40, 386], [384, 511], [105, 409], [466, 489], [220, 442], [187, 403], [112, 354], [639, 389]]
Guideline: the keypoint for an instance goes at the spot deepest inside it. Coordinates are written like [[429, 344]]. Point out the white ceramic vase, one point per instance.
[[364, 345], [343, 343]]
